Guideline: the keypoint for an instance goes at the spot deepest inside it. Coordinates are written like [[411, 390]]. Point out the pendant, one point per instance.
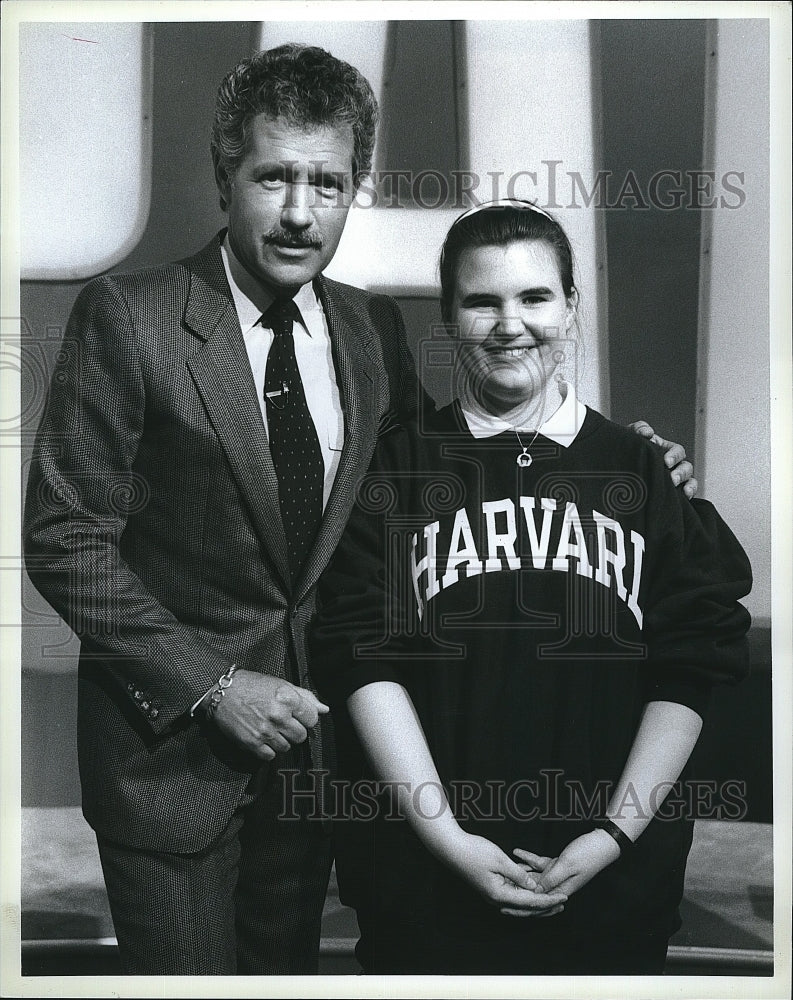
[[524, 460]]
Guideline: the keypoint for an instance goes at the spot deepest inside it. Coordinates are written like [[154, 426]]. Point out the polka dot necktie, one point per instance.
[[294, 444]]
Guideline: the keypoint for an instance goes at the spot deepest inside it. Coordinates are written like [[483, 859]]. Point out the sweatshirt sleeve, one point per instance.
[[360, 634], [695, 627]]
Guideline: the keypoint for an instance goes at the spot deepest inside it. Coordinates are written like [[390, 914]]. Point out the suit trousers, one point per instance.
[[249, 904]]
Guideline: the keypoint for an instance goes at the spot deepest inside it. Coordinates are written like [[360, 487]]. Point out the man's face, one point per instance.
[[288, 200]]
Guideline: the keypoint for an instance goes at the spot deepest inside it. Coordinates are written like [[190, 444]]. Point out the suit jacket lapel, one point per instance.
[[353, 348], [223, 377]]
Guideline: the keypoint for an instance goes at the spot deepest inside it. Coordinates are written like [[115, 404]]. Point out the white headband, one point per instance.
[[504, 203]]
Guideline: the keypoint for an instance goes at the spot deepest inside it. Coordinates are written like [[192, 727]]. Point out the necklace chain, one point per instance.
[[524, 460]]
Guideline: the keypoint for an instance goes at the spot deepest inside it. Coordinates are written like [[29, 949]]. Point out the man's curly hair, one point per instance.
[[300, 84]]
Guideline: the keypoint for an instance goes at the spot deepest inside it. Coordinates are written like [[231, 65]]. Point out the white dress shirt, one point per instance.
[[313, 352], [314, 355]]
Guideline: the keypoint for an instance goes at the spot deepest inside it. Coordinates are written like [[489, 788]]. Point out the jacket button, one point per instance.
[[153, 713], [131, 687], [138, 696], [145, 705]]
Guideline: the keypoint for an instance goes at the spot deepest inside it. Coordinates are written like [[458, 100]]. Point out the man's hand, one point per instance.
[[267, 715], [681, 470], [578, 863], [500, 880]]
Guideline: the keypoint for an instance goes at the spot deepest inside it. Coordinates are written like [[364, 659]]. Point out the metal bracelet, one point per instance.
[[217, 695]]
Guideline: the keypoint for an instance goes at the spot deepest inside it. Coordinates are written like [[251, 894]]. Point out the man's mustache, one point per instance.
[[303, 241]]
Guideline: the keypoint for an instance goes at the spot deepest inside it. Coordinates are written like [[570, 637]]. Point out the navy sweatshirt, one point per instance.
[[531, 613]]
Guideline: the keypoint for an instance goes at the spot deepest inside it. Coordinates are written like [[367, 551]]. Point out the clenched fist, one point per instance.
[[267, 715]]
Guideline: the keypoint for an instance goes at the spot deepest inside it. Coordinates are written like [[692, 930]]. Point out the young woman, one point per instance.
[[519, 632]]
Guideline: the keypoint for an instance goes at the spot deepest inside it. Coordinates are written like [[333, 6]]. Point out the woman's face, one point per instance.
[[513, 319]]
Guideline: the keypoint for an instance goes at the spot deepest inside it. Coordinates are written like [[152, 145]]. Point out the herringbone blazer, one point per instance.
[[152, 526]]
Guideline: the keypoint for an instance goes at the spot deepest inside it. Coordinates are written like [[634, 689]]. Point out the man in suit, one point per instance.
[[206, 426], [155, 527]]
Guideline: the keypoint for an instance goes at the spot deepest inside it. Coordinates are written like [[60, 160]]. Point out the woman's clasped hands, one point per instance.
[[577, 864], [535, 886], [512, 887]]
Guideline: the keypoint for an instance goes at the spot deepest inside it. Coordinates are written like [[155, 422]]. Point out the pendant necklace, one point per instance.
[[524, 460]]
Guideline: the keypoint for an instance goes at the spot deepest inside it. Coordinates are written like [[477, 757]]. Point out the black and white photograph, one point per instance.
[[396, 425]]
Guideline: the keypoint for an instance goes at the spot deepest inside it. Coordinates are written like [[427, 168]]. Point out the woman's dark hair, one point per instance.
[[301, 84], [500, 225]]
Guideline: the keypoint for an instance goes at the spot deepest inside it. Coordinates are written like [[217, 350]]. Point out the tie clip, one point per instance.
[[280, 397]]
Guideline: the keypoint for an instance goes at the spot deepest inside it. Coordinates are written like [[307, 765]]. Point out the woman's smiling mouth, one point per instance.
[[512, 352]]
